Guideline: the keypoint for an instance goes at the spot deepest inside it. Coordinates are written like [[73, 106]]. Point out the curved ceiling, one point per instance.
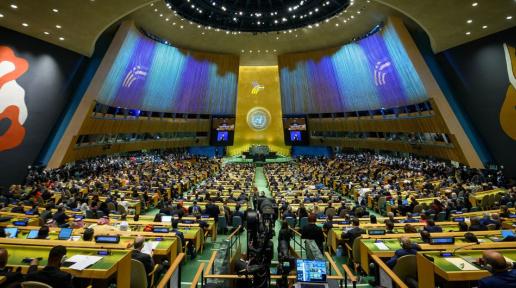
[[76, 25], [257, 16]]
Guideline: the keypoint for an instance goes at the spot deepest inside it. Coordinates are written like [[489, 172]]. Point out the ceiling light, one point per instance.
[[61, 38], [181, 27], [484, 27], [25, 25], [46, 33], [55, 10], [468, 33], [469, 21], [14, 6], [337, 24], [58, 26], [1, 15], [475, 4], [508, 17]]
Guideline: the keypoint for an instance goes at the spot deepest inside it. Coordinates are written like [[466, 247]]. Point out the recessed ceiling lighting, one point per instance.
[[14, 6], [58, 26], [484, 27], [1, 15], [508, 17], [181, 27], [55, 10], [468, 33], [25, 25], [61, 38], [46, 33], [474, 4], [469, 21]]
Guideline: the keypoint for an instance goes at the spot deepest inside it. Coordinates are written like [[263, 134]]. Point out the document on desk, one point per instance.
[[461, 264], [381, 246], [82, 262], [149, 246]]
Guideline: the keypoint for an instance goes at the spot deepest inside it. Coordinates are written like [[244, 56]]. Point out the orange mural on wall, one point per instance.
[[12, 98], [508, 111]]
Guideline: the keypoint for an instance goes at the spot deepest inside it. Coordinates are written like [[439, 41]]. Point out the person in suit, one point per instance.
[[313, 232], [60, 217], [12, 277], [238, 212], [137, 254], [353, 233], [431, 227], [501, 275], [212, 210], [389, 227], [51, 274], [476, 225], [407, 248]]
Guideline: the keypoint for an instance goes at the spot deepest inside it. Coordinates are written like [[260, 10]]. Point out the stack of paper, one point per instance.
[[461, 264], [82, 262], [149, 246], [381, 246]]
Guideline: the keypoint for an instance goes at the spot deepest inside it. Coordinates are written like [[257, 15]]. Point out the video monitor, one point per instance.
[[33, 234], [112, 239], [166, 218], [222, 136], [442, 241], [222, 131], [65, 234], [311, 270], [11, 232], [376, 232], [295, 130], [459, 219], [507, 233], [20, 223], [160, 230]]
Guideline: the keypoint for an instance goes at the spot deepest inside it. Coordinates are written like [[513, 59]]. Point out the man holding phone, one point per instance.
[[51, 274]]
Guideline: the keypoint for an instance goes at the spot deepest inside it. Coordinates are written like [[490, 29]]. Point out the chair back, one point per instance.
[[406, 266], [138, 274], [356, 249], [89, 214], [121, 209], [34, 284], [491, 226], [303, 221], [441, 216], [111, 206], [236, 221], [222, 224], [291, 221], [418, 208]]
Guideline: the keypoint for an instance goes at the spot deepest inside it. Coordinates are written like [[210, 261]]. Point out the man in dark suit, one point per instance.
[[501, 275], [476, 225], [137, 254], [431, 227], [212, 210], [12, 277], [313, 232], [60, 217], [407, 248], [353, 233], [51, 274]]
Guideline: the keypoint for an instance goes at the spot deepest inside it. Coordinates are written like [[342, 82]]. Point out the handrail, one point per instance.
[[166, 278], [234, 232], [197, 276], [332, 263], [210, 263], [389, 272], [350, 275], [300, 243]]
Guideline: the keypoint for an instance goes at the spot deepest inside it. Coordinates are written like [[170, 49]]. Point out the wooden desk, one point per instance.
[[427, 270], [119, 262]]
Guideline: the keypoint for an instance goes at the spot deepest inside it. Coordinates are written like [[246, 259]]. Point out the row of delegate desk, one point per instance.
[[433, 266], [116, 264]]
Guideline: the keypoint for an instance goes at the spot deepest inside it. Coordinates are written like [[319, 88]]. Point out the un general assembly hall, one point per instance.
[[258, 143]]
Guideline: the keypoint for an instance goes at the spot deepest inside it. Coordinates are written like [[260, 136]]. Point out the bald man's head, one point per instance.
[[138, 242], [3, 257], [495, 259], [405, 242]]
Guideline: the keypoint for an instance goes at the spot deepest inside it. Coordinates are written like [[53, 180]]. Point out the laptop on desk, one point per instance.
[[311, 273]]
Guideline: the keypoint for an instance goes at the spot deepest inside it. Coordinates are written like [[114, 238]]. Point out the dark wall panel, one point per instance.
[[477, 73], [48, 85]]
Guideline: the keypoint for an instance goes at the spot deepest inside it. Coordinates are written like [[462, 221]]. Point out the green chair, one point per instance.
[[406, 268], [138, 275]]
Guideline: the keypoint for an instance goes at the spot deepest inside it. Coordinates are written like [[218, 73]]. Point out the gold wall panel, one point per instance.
[[258, 112]]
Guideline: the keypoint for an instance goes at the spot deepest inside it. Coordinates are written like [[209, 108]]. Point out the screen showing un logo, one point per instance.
[[258, 118]]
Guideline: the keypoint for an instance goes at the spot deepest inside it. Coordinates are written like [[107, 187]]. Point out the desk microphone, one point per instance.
[[462, 247]]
